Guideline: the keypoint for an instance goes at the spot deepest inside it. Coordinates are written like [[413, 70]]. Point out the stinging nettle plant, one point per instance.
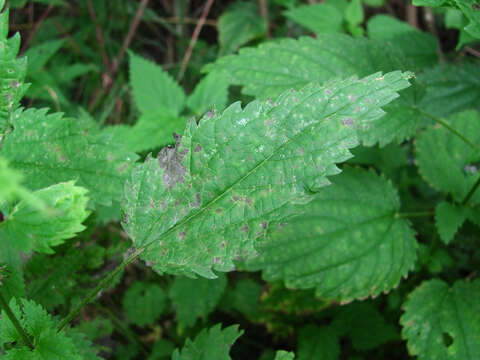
[[307, 183]]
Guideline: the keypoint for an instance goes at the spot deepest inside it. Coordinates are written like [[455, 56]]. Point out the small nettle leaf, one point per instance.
[[210, 93], [419, 46], [49, 149], [212, 344], [317, 343], [144, 303], [152, 130], [38, 324], [284, 355], [447, 161], [207, 201], [188, 305], [319, 18], [448, 219], [28, 228], [442, 322], [238, 25], [365, 325], [12, 283], [359, 213], [153, 88]]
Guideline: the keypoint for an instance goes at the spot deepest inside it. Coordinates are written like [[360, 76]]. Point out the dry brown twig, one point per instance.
[[194, 39], [35, 28]]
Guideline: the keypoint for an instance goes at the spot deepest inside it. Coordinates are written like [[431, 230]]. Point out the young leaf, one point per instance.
[[317, 343], [319, 18], [12, 72], [49, 344], [416, 45], [448, 218], [447, 161], [359, 212], [153, 88], [207, 201], [12, 283], [50, 149], [442, 322], [238, 25], [144, 303], [28, 228], [210, 93], [211, 344], [195, 298]]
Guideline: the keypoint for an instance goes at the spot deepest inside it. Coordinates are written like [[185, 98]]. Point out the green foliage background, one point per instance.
[[199, 179]]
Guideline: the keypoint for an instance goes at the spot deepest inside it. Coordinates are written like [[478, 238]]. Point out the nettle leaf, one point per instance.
[[317, 343], [284, 355], [28, 228], [208, 200], [210, 93], [12, 283], [274, 67], [365, 325], [448, 219], [195, 298], [419, 46], [446, 161], [153, 88], [144, 303], [153, 129], [319, 18], [442, 322], [212, 344], [238, 25], [451, 88], [38, 324], [359, 212], [49, 149], [12, 72]]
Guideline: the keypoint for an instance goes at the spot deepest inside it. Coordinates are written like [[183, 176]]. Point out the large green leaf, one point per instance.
[[12, 72], [442, 322], [273, 67], [208, 200], [349, 242], [211, 344], [189, 308], [446, 161], [319, 18], [28, 228], [153, 88], [49, 149]]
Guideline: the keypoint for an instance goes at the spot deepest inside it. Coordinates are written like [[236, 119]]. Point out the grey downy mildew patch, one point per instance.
[[170, 160]]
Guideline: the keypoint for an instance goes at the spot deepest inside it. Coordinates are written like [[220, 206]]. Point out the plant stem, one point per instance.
[[15, 322], [471, 192], [101, 285], [445, 124], [413, 214]]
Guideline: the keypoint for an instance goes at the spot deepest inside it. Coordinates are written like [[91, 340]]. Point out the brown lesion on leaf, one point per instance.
[[182, 235], [244, 228], [198, 148], [170, 160]]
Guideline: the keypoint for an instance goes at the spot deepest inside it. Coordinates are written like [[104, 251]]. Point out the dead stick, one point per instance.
[[194, 39], [98, 31], [36, 27]]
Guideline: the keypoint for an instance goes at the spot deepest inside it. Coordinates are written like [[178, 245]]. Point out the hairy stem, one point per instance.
[[445, 124], [15, 322], [471, 192], [101, 285]]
